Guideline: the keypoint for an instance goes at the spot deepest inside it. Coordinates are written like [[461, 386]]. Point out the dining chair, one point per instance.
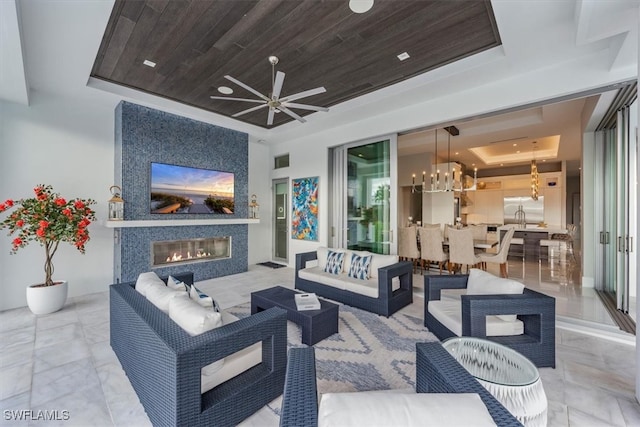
[[461, 251], [479, 231], [501, 256], [431, 247], [408, 245]]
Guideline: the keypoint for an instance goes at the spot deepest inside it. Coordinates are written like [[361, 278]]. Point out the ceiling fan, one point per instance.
[[275, 103]]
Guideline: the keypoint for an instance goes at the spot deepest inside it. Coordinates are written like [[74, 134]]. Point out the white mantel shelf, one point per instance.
[[179, 222]]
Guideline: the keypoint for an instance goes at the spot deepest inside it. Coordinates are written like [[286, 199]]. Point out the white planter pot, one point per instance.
[[47, 299]]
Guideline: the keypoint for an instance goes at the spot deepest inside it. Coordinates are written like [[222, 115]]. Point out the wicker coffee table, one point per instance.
[[316, 324], [509, 376]]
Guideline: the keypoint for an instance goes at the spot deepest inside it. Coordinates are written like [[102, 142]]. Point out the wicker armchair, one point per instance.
[[436, 372], [163, 363], [537, 311]]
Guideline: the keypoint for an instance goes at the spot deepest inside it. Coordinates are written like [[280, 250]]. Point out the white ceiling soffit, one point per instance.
[[13, 81], [523, 150], [614, 21]]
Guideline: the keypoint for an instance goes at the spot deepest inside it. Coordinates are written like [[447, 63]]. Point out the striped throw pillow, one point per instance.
[[360, 267], [203, 299], [334, 262]]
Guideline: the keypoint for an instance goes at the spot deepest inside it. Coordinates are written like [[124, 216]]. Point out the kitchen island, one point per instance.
[[531, 236]]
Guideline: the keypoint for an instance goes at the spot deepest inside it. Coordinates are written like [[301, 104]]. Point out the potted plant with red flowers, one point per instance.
[[47, 219]]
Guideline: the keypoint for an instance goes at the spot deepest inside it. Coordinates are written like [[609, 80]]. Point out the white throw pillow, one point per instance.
[[482, 283], [195, 320], [379, 261], [176, 284], [160, 296], [383, 408], [321, 255], [146, 280]]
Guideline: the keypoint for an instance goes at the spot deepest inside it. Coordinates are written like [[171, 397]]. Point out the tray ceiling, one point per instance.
[[195, 43]]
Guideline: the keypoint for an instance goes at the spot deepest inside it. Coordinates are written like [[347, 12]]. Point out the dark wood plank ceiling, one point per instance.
[[319, 43]]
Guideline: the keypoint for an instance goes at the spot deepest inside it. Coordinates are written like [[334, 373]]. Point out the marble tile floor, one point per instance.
[[63, 362]]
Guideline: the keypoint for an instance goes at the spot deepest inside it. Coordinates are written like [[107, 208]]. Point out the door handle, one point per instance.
[[620, 244], [602, 238]]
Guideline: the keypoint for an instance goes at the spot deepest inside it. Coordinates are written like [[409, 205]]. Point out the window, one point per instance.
[[281, 161]]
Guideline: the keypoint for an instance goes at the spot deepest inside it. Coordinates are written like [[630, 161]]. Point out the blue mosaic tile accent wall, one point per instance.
[[144, 135], [135, 247]]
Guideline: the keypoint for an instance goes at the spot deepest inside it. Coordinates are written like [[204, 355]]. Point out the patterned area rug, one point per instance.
[[369, 352]]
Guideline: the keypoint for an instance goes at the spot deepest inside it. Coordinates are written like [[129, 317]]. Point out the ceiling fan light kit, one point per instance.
[[275, 103]]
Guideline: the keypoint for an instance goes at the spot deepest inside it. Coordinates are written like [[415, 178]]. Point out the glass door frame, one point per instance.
[[339, 200], [274, 236]]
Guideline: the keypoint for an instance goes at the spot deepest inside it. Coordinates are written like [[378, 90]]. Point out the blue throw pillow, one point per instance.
[[360, 267], [334, 262]]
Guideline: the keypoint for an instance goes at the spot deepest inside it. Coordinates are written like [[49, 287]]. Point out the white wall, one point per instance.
[[68, 144], [307, 161]]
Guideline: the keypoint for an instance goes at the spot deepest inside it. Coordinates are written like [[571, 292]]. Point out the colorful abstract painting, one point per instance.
[[304, 221]]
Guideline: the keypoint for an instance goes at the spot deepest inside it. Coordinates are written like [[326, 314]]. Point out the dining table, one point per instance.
[[478, 243]]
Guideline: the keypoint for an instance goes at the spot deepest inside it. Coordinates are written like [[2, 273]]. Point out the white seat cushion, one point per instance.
[[389, 408], [482, 283], [234, 364], [449, 313], [367, 287]]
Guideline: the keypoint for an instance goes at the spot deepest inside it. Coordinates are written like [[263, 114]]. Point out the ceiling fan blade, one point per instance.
[[270, 116], [249, 88], [291, 113], [304, 94], [249, 110], [304, 106], [277, 86], [228, 98]]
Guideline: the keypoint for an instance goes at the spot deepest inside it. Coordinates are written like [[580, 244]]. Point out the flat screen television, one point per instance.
[[187, 190]]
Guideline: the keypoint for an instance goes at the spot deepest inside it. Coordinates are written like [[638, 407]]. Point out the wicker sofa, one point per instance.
[[535, 310], [436, 372], [389, 288], [164, 363]]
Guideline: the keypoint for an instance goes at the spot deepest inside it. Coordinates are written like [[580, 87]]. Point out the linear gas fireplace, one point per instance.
[[170, 252]]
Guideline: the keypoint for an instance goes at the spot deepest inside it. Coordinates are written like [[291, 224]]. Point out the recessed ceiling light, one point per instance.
[[360, 6], [518, 151], [225, 90], [403, 56], [457, 153], [515, 145], [501, 164], [149, 63]]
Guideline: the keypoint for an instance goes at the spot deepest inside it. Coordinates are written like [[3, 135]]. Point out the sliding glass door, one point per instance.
[[365, 196], [618, 169]]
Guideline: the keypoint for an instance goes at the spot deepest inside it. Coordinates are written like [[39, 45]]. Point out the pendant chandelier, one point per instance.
[[535, 181], [449, 182]]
